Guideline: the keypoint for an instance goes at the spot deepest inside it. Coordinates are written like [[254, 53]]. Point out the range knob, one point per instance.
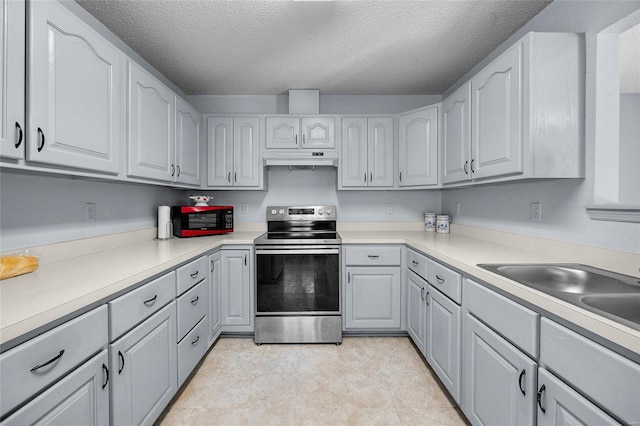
[[281, 211], [273, 211], [328, 211], [320, 210]]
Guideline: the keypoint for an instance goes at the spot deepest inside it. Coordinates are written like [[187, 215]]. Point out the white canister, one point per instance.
[[164, 223], [442, 223], [430, 222]]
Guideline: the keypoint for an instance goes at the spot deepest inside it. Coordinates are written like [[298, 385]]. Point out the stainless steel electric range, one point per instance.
[[298, 297]]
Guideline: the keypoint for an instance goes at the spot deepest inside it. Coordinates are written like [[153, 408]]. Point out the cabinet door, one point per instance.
[[443, 340], [560, 405], [246, 158], [353, 164], [499, 381], [219, 151], [456, 136], [12, 48], [380, 151], [282, 132], [215, 278], [318, 133], [144, 370], [150, 136], [188, 125], [416, 311], [372, 298], [497, 116], [81, 398], [235, 296], [74, 92], [418, 148]]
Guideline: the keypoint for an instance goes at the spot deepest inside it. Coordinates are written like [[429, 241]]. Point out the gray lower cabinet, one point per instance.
[[191, 349], [236, 289], [372, 298], [215, 279], [499, 381], [417, 310], [443, 328], [81, 398], [559, 405], [143, 368]]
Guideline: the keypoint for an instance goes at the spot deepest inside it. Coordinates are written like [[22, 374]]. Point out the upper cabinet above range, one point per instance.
[[74, 92], [292, 132], [521, 116]]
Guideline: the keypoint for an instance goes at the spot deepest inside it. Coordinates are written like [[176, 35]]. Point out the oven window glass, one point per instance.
[[203, 220], [291, 283]]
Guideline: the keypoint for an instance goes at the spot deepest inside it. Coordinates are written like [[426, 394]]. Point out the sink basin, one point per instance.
[[605, 293], [625, 306], [565, 278]]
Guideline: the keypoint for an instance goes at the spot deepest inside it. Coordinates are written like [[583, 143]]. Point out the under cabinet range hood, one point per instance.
[[301, 159]]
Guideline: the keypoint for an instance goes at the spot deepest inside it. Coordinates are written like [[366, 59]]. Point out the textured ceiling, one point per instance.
[[338, 47]]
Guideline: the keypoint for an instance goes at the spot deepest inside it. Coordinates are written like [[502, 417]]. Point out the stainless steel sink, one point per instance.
[[606, 293]]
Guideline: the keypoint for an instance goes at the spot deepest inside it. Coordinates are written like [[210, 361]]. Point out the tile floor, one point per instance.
[[364, 381]]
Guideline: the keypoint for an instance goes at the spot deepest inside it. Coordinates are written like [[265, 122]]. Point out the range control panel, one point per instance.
[[292, 213]]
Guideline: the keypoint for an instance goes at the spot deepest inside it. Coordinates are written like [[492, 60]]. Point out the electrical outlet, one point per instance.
[[390, 208], [456, 207], [536, 211], [90, 212], [245, 208]]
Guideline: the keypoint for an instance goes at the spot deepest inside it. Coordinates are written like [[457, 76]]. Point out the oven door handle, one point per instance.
[[299, 251]]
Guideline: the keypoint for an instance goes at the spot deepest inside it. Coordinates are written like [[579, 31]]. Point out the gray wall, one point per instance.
[[38, 209], [630, 148], [319, 187]]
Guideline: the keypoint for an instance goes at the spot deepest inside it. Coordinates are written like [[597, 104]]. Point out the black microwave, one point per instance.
[[195, 221]]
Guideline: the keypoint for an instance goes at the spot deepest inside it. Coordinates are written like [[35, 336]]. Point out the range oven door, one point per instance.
[[297, 280]]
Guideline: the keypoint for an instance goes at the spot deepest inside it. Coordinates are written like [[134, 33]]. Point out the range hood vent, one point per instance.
[[304, 101], [301, 159]]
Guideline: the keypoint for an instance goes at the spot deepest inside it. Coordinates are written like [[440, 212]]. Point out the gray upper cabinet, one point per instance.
[[418, 148], [150, 126], [456, 136], [233, 155], [290, 132], [188, 135], [74, 111], [367, 152], [12, 71]]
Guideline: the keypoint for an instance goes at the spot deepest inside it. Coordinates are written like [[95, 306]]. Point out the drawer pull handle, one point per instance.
[[373, 256], [194, 275], [522, 373], [414, 262], [540, 392], [440, 279], [121, 362], [42, 140], [151, 301], [195, 342], [195, 301], [106, 372], [51, 361], [17, 145]]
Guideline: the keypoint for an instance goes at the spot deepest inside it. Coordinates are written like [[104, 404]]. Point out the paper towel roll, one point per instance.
[[164, 222]]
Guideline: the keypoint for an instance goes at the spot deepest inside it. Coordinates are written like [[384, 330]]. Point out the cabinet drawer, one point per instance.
[[191, 274], [607, 378], [417, 263], [372, 255], [35, 364], [192, 306], [444, 279], [512, 320], [191, 350], [130, 309]]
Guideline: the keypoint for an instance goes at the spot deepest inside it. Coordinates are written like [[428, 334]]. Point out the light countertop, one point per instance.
[[69, 285]]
